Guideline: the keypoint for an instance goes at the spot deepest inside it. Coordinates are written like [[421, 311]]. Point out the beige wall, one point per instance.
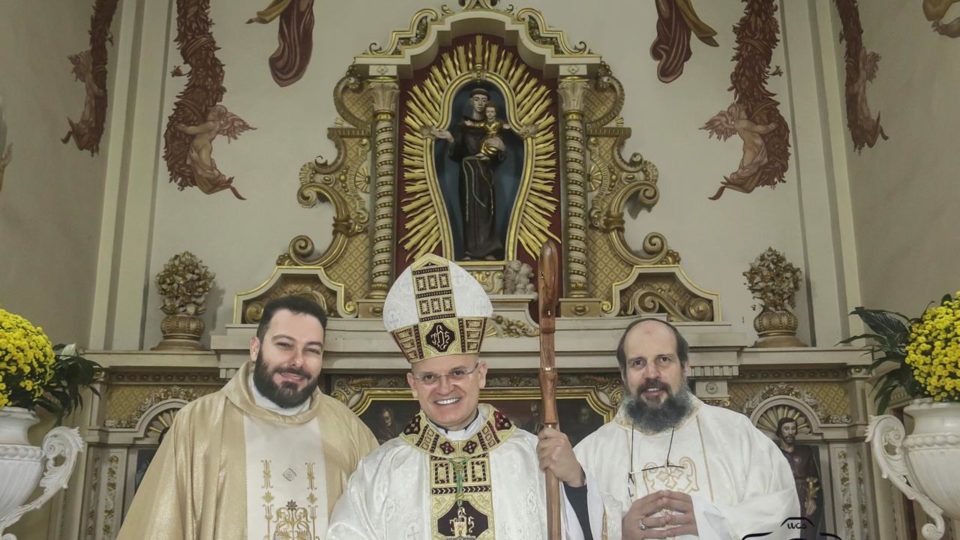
[[52, 193], [907, 190]]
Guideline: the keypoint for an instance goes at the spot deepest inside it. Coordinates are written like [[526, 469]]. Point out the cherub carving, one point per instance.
[[861, 68], [868, 127], [6, 150], [935, 10], [734, 121], [206, 175], [518, 278], [84, 131], [90, 67]]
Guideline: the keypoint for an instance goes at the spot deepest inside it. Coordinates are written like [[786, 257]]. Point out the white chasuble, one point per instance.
[[425, 485], [736, 476], [286, 479]]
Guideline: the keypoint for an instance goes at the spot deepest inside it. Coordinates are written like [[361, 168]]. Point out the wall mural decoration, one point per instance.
[[290, 60], [935, 10], [198, 117], [90, 66], [754, 115], [6, 149], [861, 68], [676, 20]]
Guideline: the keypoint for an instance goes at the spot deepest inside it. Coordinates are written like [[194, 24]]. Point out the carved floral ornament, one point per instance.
[[184, 284], [558, 107]]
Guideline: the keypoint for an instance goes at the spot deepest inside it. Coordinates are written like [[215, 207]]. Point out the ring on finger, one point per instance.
[[641, 525]]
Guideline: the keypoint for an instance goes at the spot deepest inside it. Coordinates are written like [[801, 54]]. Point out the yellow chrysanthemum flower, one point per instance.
[[934, 350]]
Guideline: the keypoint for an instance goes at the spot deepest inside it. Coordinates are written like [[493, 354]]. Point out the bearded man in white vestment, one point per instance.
[[459, 469], [265, 457], [669, 465]]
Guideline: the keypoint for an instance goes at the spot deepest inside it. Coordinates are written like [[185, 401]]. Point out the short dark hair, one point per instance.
[[784, 421], [683, 348], [293, 304], [480, 91]]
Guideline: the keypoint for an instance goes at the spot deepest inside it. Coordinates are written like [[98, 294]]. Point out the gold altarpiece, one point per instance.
[[570, 182]]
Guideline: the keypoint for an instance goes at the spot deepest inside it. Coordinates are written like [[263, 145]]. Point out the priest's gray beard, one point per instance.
[[286, 396], [667, 415]]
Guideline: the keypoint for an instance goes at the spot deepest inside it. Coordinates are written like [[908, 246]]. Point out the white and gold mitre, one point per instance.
[[436, 308]]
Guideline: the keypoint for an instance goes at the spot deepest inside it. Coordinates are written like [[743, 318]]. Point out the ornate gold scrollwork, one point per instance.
[[603, 274], [605, 101], [350, 98], [513, 328], [402, 39], [544, 35]]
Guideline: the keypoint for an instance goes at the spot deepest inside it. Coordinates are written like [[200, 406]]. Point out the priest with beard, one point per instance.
[[267, 456], [669, 465]]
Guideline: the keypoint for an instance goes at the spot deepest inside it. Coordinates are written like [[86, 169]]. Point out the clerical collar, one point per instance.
[[461, 434], [264, 402]]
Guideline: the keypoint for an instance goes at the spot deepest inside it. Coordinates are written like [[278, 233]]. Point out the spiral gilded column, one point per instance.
[[384, 92], [571, 90]]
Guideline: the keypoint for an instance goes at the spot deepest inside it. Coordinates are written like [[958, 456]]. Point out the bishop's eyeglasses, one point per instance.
[[454, 375], [634, 477]]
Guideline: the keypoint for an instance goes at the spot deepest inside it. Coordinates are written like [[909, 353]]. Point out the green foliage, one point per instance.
[[888, 339], [71, 374]]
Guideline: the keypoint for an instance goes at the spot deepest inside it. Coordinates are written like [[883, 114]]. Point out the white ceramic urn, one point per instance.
[[924, 464], [22, 465]]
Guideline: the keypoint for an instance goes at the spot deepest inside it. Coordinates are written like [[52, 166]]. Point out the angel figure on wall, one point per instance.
[[935, 11], [734, 121], [6, 150], [84, 131], [206, 175], [868, 127]]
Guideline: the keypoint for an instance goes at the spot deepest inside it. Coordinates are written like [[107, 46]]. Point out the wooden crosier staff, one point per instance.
[[548, 292]]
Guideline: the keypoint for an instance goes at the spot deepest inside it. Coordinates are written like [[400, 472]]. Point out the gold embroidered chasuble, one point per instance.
[[197, 487], [738, 480], [423, 485], [460, 482]]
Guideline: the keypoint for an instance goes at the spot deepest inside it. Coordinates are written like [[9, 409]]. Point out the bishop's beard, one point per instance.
[[656, 419]]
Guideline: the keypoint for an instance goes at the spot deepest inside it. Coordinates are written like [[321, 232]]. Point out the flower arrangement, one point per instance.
[[934, 350], [184, 284], [773, 280], [33, 372], [924, 351]]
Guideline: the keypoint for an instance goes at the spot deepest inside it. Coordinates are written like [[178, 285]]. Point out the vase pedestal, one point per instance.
[[777, 329], [22, 465], [923, 465], [181, 332]]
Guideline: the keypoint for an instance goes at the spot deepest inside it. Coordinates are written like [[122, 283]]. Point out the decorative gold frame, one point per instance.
[[430, 104], [581, 99]]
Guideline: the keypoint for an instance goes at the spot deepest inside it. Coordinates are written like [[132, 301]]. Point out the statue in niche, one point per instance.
[[207, 176], [806, 475], [479, 173]]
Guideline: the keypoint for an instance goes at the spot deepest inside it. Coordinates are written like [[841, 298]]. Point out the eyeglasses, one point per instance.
[[632, 476], [455, 375]]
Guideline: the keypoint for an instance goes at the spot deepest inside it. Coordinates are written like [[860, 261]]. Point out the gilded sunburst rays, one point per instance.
[[428, 105]]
